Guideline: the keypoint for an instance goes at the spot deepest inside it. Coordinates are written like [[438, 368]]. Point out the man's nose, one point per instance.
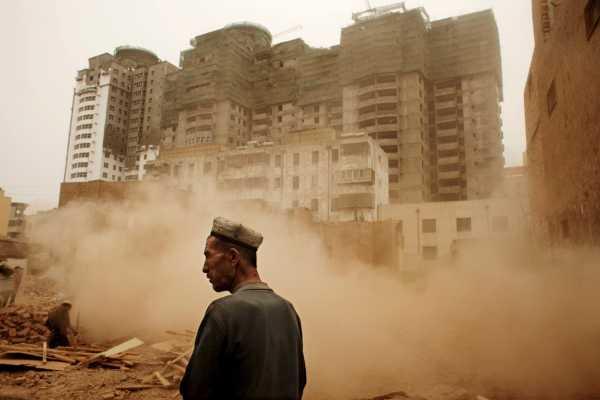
[[205, 268]]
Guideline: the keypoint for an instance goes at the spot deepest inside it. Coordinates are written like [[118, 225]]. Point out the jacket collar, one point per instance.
[[252, 286]]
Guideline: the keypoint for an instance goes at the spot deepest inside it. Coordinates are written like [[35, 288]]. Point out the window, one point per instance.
[[296, 159], [592, 17], [314, 205], [314, 181], [463, 224], [296, 183], [428, 226], [500, 224], [104, 175], [277, 183], [105, 165], [295, 204], [430, 252], [335, 155], [315, 157], [551, 98], [207, 167], [278, 160]]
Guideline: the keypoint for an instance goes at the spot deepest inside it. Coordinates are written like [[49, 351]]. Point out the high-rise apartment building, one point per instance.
[[428, 92], [115, 115]]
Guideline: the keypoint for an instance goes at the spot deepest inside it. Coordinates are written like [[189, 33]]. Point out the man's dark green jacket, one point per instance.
[[248, 346]]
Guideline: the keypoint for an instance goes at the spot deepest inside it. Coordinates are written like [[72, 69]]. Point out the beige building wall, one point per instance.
[[433, 232], [562, 120], [4, 213], [336, 178]]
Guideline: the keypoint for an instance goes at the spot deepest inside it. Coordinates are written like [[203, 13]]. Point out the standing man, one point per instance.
[[249, 344], [59, 324]]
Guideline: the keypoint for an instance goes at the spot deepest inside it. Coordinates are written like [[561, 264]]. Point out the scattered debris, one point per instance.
[[23, 324], [35, 364]]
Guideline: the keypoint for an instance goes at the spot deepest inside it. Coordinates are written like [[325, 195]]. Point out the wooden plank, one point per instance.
[[123, 347], [178, 368], [113, 351], [17, 354], [163, 381], [134, 388], [35, 364], [165, 346], [184, 334]]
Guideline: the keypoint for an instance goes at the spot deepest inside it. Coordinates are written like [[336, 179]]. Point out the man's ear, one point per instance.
[[234, 256]]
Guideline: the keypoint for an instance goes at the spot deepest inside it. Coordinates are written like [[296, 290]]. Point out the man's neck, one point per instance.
[[247, 281]]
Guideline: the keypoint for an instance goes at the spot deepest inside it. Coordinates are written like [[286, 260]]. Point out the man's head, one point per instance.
[[230, 254]]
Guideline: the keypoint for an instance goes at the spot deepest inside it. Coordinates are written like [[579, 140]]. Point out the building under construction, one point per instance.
[[428, 92]]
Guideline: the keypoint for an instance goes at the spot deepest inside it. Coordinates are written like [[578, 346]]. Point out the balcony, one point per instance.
[[449, 189], [445, 104], [446, 132], [449, 175], [255, 171], [377, 86], [442, 92], [353, 201], [448, 160], [447, 146], [355, 176]]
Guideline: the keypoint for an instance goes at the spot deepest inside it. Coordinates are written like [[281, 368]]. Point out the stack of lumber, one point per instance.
[[39, 357]]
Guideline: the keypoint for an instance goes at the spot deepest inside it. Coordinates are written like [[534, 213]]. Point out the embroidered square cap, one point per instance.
[[236, 233]]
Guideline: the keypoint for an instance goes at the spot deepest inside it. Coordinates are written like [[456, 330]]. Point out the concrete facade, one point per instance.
[[563, 122], [115, 110], [4, 213], [16, 222], [430, 232], [336, 177], [428, 92]]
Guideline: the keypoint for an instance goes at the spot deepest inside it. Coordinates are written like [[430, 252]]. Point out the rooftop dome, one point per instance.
[[138, 54]]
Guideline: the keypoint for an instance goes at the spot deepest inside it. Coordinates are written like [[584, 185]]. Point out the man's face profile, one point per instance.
[[218, 266]]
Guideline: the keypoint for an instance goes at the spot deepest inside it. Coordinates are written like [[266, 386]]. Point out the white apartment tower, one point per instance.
[[115, 115]]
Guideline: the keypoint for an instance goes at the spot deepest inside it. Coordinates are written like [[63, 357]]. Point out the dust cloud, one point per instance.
[[506, 318]]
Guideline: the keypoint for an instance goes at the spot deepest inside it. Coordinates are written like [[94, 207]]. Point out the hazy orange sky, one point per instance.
[[45, 42]]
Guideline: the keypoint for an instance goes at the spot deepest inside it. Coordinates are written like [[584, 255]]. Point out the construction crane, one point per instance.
[[373, 12], [290, 30]]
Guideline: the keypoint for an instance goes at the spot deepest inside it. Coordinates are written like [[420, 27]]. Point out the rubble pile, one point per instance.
[[23, 324], [39, 290]]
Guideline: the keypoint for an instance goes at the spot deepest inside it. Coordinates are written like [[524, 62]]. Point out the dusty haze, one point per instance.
[[505, 318]]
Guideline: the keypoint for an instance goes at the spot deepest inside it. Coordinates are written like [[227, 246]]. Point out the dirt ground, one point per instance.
[[84, 383]]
